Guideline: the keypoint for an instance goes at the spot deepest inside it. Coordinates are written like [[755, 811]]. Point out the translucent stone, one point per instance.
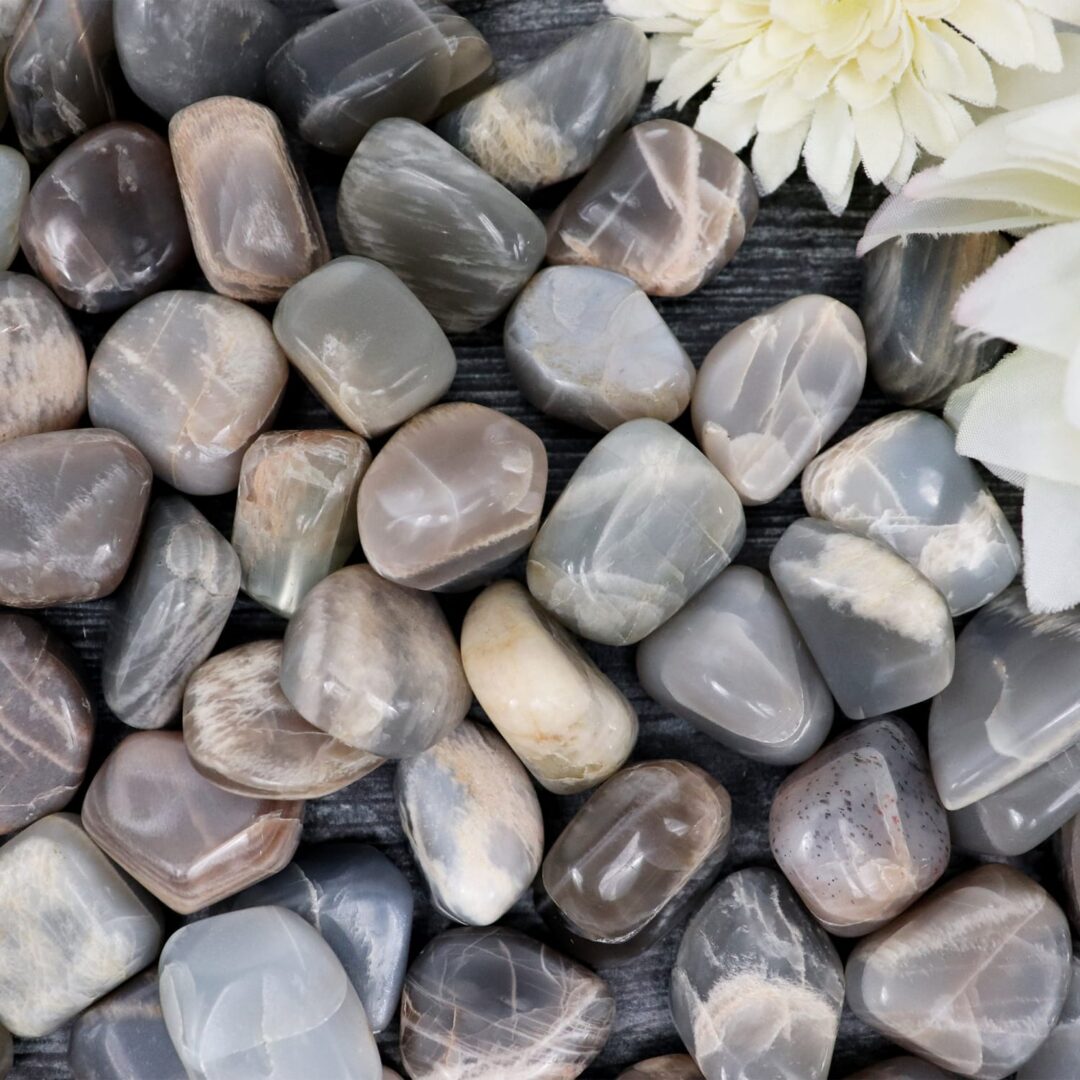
[[1059, 1056], [14, 188], [1068, 853], [901, 1068], [669, 1067], [11, 11]]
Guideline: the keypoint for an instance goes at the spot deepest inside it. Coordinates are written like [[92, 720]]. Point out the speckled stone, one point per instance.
[[14, 189], [1067, 846], [1059, 1056], [901, 1068], [669, 1067]]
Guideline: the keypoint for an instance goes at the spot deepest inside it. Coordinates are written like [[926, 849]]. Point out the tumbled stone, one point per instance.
[[733, 664], [259, 993], [365, 344], [453, 497], [374, 664], [104, 225], [587, 346], [669, 1067], [757, 986], [362, 905], [644, 523], [73, 506], [11, 12], [1068, 853], [472, 67], [14, 188], [74, 928], [192, 379], [187, 841], [663, 205], [481, 1004], [252, 217], [295, 519], [462, 242], [773, 391], [901, 1068], [973, 978], [880, 632], [1059, 1055]]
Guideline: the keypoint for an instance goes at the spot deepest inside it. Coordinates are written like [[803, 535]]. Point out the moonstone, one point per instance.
[[14, 189], [972, 979], [879, 631], [644, 523], [669, 1067], [187, 841], [1068, 853], [1059, 1056], [773, 391], [757, 987], [901, 1068], [453, 497], [11, 12], [663, 205], [491, 1004], [470, 813]]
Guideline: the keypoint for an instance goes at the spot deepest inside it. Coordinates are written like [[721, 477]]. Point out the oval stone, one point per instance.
[[472, 66], [1060, 1054], [669, 1067], [14, 189], [901, 1068], [1067, 849]]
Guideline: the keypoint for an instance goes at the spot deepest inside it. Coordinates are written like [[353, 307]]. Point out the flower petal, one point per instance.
[[1051, 546], [1021, 88], [775, 155], [999, 27], [879, 136], [731, 123], [830, 149], [691, 72], [935, 120]]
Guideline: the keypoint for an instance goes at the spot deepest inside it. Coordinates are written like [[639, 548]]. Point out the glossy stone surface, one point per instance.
[[374, 664], [757, 987], [733, 664], [901, 1068], [973, 978], [252, 217], [669, 1067], [295, 519], [880, 632], [773, 391], [488, 1004], [453, 497], [187, 841], [104, 226], [588, 346], [559, 712], [259, 993], [365, 344], [73, 506], [644, 523], [472, 66], [462, 242], [11, 12], [663, 205], [470, 813], [1059, 1056], [1068, 854], [74, 927], [192, 379], [14, 188]]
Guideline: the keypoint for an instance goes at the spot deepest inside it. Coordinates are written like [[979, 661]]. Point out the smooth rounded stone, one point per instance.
[[471, 816], [14, 189], [74, 928], [252, 217], [773, 391], [295, 519], [461, 241], [365, 344], [858, 829], [881, 634], [192, 379], [11, 12], [73, 505], [363, 907], [1059, 1056], [757, 987], [374, 664], [733, 664], [588, 346], [491, 1004], [187, 841], [453, 497], [1067, 845], [259, 993], [972, 979], [562, 716], [644, 523], [663, 205], [901, 1068], [669, 1067]]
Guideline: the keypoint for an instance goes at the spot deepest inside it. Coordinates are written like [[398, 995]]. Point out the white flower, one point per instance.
[[843, 81]]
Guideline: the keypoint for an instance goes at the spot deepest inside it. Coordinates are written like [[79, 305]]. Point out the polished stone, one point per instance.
[[295, 519], [880, 632], [1067, 844], [187, 841], [1059, 1056], [365, 344], [773, 391], [757, 987], [470, 813], [902, 1068], [252, 217], [490, 1004], [462, 242], [973, 978], [11, 11], [643, 524], [663, 205], [669, 1067], [14, 189], [588, 346], [472, 66], [73, 506], [559, 712], [453, 498], [192, 379], [374, 664], [733, 664]]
